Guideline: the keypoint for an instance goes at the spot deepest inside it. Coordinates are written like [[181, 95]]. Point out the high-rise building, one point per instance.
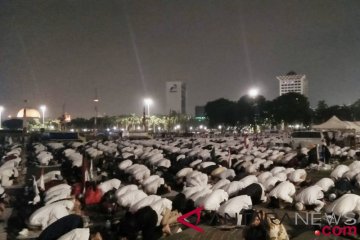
[[293, 82], [176, 97]]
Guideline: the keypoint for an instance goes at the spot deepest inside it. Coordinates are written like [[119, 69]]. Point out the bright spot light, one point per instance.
[[253, 92], [148, 101]]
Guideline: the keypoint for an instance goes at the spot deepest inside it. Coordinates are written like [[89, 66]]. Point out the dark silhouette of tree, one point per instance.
[[355, 109], [292, 108], [321, 114], [221, 111], [13, 124], [81, 123]]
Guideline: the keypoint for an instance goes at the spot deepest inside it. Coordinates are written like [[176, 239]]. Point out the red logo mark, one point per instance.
[[196, 211]]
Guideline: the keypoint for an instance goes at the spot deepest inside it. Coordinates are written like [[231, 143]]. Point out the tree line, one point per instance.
[[290, 109]]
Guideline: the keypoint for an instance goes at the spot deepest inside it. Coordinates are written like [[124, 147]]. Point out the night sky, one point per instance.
[[59, 51]]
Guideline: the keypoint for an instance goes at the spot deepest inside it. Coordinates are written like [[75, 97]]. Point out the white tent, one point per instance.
[[336, 124]]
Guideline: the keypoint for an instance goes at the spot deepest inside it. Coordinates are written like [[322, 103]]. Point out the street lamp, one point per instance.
[[43, 108], [1, 110], [148, 102]]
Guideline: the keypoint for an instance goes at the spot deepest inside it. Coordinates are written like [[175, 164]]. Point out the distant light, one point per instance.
[[201, 126], [297, 126], [85, 130], [191, 128], [253, 92], [9, 116], [148, 101], [108, 129], [52, 127], [71, 130], [43, 108], [96, 100], [114, 127], [122, 129], [205, 127], [219, 127], [159, 128], [138, 128]]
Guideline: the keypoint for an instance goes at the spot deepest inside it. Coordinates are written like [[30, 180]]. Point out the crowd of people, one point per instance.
[[123, 189]]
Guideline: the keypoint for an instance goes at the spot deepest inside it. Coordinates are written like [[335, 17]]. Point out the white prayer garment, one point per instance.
[[228, 173], [188, 191], [47, 214], [233, 207], [220, 184], [284, 191], [152, 187], [125, 164], [196, 178], [311, 196], [125, 189], [147, 201], [77, 234], [183, 172], [6, 174], [281, 175], [297, 176], [205, 165], [55, 189], [109, 185], [233, 187], [263, 176], [159, 206], [346, 204], [130, 198], [325, 184], [351, 174], [248, 180], [195, 163], [213, 200], [339, 171], [276, 170]]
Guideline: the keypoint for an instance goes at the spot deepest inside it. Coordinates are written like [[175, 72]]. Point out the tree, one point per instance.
[[221, 111], [81, 123], [13, 124], [355, 108], [321, 114], [292, 108]]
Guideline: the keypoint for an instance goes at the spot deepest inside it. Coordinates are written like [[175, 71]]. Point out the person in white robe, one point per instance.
[[348, 204], [283, 192], [234, 206], [310, 196], [109, 185], [81, 234], [326, 184], [213, 200]]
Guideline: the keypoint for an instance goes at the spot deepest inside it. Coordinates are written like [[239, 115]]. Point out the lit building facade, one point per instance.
[[176, 97], [293, 82]]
